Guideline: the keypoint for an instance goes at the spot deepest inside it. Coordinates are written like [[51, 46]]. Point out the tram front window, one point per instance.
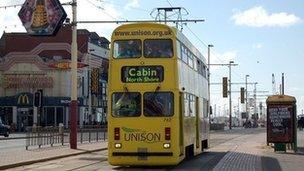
[[158, 104], [126, 104], [158, 48], [127, 49]]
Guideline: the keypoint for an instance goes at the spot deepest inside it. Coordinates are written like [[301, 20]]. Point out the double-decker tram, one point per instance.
[[158, 99]]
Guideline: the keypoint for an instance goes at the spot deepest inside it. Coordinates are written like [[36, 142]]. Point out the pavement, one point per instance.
[[250, 152], [20, 157]]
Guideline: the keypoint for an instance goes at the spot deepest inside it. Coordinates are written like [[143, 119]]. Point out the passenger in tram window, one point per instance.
[[154, 51], [166, 52], [129, 50], [123, 52]]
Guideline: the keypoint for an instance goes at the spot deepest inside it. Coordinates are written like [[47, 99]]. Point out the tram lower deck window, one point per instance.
[[158, 104], [126, 104]]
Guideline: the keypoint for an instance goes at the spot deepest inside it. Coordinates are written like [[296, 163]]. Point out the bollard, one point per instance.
[[97, 135], [61, 132]]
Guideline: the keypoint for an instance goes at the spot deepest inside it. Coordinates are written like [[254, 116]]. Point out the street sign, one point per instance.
[[42, 17]]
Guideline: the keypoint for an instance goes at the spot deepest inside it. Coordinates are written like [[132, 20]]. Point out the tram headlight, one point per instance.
[[117, 145], [167, 145]]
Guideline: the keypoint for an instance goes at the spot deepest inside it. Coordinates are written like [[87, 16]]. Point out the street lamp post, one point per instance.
[[74, 102]]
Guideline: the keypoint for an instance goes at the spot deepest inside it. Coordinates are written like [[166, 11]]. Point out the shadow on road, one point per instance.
[[204, 161], [270, 163]]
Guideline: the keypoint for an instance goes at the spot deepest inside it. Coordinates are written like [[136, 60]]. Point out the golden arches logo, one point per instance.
[[23, 99]]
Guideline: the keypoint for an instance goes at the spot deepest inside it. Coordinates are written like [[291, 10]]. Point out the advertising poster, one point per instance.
[[280, 123]]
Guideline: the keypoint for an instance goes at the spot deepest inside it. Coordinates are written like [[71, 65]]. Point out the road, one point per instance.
[[221, 143]]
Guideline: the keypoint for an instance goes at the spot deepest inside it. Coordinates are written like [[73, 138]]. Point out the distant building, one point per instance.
[[29, 63]]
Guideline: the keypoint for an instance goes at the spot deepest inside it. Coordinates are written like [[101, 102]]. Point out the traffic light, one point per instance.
[[38, 98], [225, 87], [242, 94]]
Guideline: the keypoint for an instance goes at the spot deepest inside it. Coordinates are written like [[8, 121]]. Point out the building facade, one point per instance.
[[29, 64]]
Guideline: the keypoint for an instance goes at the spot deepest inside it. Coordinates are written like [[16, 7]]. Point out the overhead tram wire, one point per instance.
[[11, 6], [181, 24], [119, 5], [235, 73], [169, 3], [102, 9]]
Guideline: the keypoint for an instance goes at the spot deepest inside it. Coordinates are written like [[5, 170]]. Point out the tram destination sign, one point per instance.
[[142, 74]]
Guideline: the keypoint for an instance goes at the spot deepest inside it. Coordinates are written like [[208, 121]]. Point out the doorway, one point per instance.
[[24, 118]]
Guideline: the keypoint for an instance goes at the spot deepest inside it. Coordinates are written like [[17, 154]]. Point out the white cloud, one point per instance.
[[259, 17], [132, 4], [257, 46]]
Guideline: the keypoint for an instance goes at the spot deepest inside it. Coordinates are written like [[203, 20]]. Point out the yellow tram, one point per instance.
[[157, 108]]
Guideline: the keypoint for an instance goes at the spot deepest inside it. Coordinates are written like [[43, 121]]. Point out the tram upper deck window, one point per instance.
[[126, 104], [127, 49], [158, 104], [158, 48]]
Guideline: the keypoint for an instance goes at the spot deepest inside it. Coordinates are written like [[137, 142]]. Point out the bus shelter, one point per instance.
[[281, 122]]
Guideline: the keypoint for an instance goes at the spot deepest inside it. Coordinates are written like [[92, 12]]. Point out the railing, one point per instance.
[[91, 133], [42, 136]]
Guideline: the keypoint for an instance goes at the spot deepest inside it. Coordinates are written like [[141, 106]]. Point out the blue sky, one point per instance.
[[262, 37]]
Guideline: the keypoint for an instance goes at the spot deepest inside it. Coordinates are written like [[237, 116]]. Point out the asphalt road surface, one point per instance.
[[98, 160]]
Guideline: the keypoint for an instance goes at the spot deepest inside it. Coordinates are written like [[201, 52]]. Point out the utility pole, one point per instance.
[[90, 86], [282, 83], [254, 97], [231, 63], [74, 102], [209, 100], [230, 110], [246, 95]]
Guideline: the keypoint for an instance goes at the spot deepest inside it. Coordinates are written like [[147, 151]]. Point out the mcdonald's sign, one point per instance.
[[24, 99]]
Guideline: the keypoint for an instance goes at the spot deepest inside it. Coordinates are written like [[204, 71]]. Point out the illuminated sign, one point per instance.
[[42, 17], [23, 99], [131, 134], [142, 74], [15, 81], [66, 65]]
